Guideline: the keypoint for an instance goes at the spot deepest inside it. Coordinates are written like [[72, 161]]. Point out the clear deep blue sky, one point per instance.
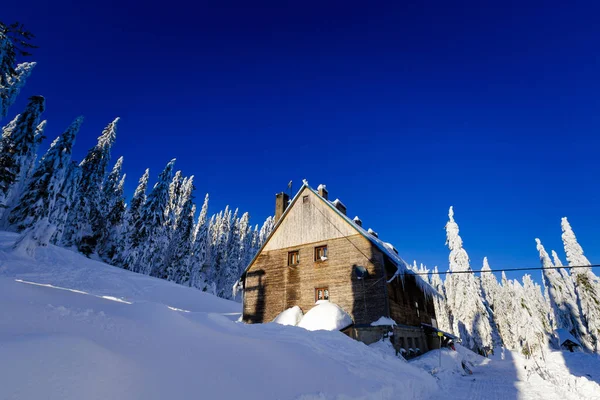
[[402, 109]]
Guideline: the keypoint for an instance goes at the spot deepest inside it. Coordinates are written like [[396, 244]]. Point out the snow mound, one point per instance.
[[386, 348], [384, 321], [325, 316], [451, 362], [291, 316]]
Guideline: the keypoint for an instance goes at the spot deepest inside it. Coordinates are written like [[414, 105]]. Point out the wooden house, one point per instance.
[[316, 252]]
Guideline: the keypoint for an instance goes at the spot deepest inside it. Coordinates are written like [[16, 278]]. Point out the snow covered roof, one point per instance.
[[564, 336]]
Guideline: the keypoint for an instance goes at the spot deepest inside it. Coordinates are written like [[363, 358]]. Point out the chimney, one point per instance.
[[281, 202], [340, 206], [357, 221], [322, 189]]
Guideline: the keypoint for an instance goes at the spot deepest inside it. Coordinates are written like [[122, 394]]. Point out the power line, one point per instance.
[[504, 270]]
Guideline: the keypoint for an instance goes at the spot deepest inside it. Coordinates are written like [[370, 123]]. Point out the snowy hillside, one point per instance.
[[73, 328], [118, 335]]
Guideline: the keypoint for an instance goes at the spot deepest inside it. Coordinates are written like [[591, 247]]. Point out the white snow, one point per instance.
[[509, 375], [325, 316], [384, 321], [73, 328], [291, 316], [66, 338]]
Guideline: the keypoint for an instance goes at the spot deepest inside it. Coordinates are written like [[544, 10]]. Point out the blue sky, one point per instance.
[[402, 109]]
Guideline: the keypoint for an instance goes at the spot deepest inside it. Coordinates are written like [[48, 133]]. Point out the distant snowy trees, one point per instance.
[[520, 315]]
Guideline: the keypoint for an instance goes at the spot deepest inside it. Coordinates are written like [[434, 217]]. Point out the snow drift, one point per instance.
[[291, 316], [325, 316]]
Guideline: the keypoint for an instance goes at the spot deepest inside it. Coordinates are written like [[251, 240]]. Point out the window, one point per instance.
[[305, 199], [321, 294], [321, 253], [294, 257]]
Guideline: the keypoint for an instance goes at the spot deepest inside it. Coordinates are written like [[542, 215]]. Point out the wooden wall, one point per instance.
[[272, 286], [403, 300], [309, 222]]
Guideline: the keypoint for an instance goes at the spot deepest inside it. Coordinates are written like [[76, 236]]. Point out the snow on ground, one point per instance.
[[72, 328], [509, 375]]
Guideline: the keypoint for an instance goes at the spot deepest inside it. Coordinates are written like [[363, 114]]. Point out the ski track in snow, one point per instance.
[[73, 328]]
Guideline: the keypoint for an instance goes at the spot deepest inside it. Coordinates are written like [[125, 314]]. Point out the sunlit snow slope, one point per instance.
[[73, 328]]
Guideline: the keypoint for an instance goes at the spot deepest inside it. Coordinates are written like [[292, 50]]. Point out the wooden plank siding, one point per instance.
[[308, 222], [272, 286], [408, 304]]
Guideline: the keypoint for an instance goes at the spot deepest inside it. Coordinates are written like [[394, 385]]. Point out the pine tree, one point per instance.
[[489, 284], [29, 163], [87, 223], [440, 303], [266, 230], [14, 40], [45, 186], [182, 239], [147, 255], [133, 214], [586, 283], [222, 254], [470, 317], [489, 292], [173, 205], [116, 220], [28, 168], [246, 250], [539, 305], [38, 212], [199, 266], [111, 208], [66, 201], [17, 146], [564, 309], [529, 331], [14, 84], [234, 259], [504, 312]]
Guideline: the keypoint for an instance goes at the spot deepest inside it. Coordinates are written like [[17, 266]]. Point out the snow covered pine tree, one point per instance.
[[470, 318], [17, 147], [37, 213]]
